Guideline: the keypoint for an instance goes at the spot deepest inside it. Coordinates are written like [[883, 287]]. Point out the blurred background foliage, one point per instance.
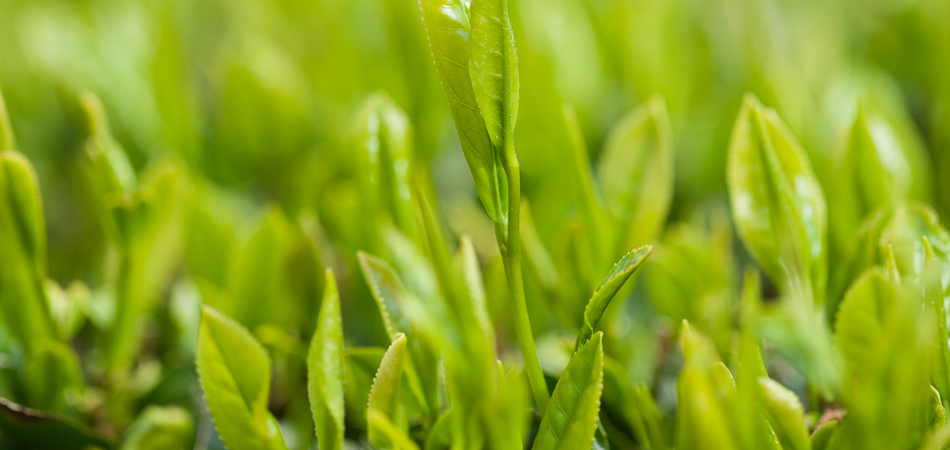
[[252, 128]]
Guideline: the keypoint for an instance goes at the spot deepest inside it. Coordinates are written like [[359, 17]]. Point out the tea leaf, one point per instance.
[[570, 421], [824, 435], [384, 396], [449, 30], [786, 414], [234, 372], [777, 203], [493, 66], [325, 370], [636, 172], [23, 249], [160, 427], [387, 432], [387, 290], [608, 288], [7, 140]]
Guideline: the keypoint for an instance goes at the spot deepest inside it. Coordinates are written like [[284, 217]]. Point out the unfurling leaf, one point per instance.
[[570, 420], [325, 370], [608, 288], [777, 203], [449, 30]]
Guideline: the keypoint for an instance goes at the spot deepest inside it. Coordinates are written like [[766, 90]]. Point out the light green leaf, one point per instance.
[[786, 414], [777, 203], [448, 27], [51, 375], [384, 396], [388, 432], [387, 290], [383, 138], [824, 435], [160, 428], [571, 418], [325, 370], [493, 66], [23, 251], [934, 300], [235, 374], [636, 172], [608, 288], [860, 317], [359, 368], [7, 140], [112, 171]]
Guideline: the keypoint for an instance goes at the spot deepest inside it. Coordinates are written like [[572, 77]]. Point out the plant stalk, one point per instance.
[[509, 242]]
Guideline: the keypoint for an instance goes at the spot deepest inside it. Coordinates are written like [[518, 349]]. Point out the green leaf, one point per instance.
[[860, 317], [359, 368], [824, 435], [934, 300], [51, 375], [394, 438], [23, 251], [7, 140], [160, 428], [235, 374], [636, 172], [112, 171], [384, 396], [388, 291], [777, 204], [383, 133], [608, 288], [493, 65], [448, 28], [786, 414], [325, 370], [37, 429], [571, 418]]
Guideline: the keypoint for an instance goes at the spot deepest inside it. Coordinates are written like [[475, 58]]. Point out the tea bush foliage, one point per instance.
[[474, 224]]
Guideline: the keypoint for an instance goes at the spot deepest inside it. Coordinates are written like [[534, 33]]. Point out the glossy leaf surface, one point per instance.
[[571, 418]]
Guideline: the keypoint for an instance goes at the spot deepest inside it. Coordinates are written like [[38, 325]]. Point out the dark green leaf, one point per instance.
[[36, 429]]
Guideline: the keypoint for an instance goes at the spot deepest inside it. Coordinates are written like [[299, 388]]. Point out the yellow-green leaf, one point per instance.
[[449, 30], [777, 204], [325, 370], [234, 373]]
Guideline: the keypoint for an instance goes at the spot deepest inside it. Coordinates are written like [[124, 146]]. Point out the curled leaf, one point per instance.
[[608, 288]]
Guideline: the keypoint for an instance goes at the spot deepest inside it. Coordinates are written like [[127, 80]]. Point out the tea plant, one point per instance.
[[248, 225]]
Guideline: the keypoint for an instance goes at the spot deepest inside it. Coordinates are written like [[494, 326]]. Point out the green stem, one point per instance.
[[510, 247]]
